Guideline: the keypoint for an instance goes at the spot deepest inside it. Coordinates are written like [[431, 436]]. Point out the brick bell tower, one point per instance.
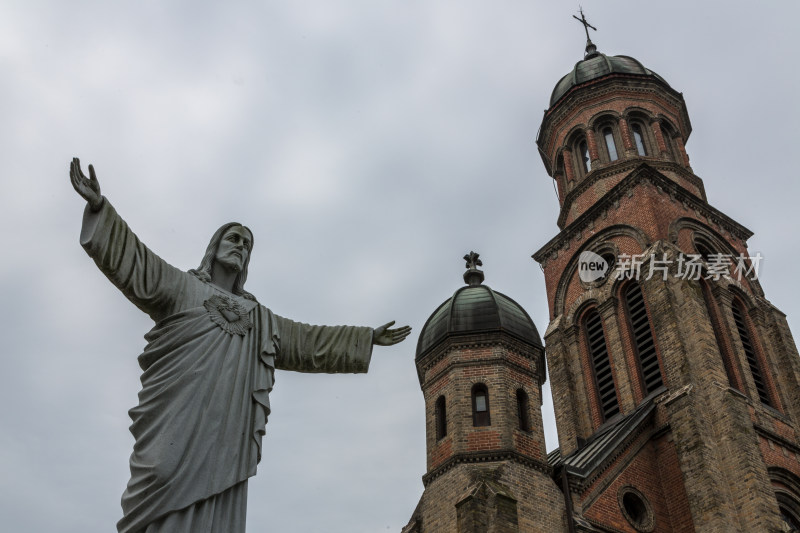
[[675, 381], [480, 364]]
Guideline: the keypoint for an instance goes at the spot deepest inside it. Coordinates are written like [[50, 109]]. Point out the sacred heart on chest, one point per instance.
[[228, 314]]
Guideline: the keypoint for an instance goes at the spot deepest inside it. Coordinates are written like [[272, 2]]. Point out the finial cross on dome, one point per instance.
[[591, 49], [585, 23], [473, 276], [472, 260]]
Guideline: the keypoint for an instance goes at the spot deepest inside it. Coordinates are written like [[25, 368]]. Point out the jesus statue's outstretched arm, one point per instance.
[[208, 369]]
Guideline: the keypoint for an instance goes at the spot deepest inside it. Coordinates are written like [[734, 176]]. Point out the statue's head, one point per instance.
[[231, 231]]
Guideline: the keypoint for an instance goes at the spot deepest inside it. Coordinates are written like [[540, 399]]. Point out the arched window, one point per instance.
[[522, 410], [611, 146], [703, 247], [584, 157], [790, 510], [787, 487], [601, 363], [789, 517], [643, 339], [638, 138], [713, 313], [480, 406], [749, 351], [441, 418]]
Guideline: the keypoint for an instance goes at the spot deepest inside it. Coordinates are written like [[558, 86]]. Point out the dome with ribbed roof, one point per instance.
[[596, 65], [475, 308]]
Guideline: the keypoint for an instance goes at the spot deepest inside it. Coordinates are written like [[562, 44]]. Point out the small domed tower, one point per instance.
[[480, 364]]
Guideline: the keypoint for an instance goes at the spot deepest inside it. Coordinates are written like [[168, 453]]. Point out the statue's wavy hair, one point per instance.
[[206, 267]]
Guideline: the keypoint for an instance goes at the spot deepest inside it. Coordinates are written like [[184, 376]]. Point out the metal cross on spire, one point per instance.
[[585, 23], [590, 47]]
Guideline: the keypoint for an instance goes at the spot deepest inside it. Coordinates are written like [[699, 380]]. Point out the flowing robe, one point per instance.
[[208, 369]]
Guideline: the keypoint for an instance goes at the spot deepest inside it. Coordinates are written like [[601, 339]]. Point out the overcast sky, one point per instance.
[[369, 145]]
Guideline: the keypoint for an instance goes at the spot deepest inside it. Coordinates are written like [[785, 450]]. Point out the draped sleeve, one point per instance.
[[149, 282], [328, 349]]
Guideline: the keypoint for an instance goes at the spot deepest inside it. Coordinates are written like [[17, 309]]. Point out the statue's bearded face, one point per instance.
[[234, 248]]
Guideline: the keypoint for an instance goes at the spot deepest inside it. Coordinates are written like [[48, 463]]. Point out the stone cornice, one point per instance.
[[579, 97], [485, 457], [643, 173], [769, 435], [621, 167], [478, 340]]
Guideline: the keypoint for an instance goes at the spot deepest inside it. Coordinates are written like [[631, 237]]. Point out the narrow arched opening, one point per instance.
[[480, 406]]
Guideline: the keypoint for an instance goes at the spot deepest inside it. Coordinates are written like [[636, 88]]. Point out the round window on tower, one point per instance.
[[597, 265], [636, 509]]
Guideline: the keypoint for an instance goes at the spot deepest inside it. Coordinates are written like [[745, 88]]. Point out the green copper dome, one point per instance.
[[596, 65], [475, 308]]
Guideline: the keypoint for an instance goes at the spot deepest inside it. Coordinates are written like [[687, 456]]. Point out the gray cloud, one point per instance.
[[369, 146]]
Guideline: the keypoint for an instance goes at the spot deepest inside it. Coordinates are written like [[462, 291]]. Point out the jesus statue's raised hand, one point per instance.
[[88, 188]]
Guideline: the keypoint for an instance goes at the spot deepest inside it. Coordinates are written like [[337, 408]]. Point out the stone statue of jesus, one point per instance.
[[207, 371]]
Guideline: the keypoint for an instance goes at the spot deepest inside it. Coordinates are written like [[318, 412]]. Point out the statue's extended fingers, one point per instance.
[[74, 177], [80, 171], [92, 175], [401, 333]]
